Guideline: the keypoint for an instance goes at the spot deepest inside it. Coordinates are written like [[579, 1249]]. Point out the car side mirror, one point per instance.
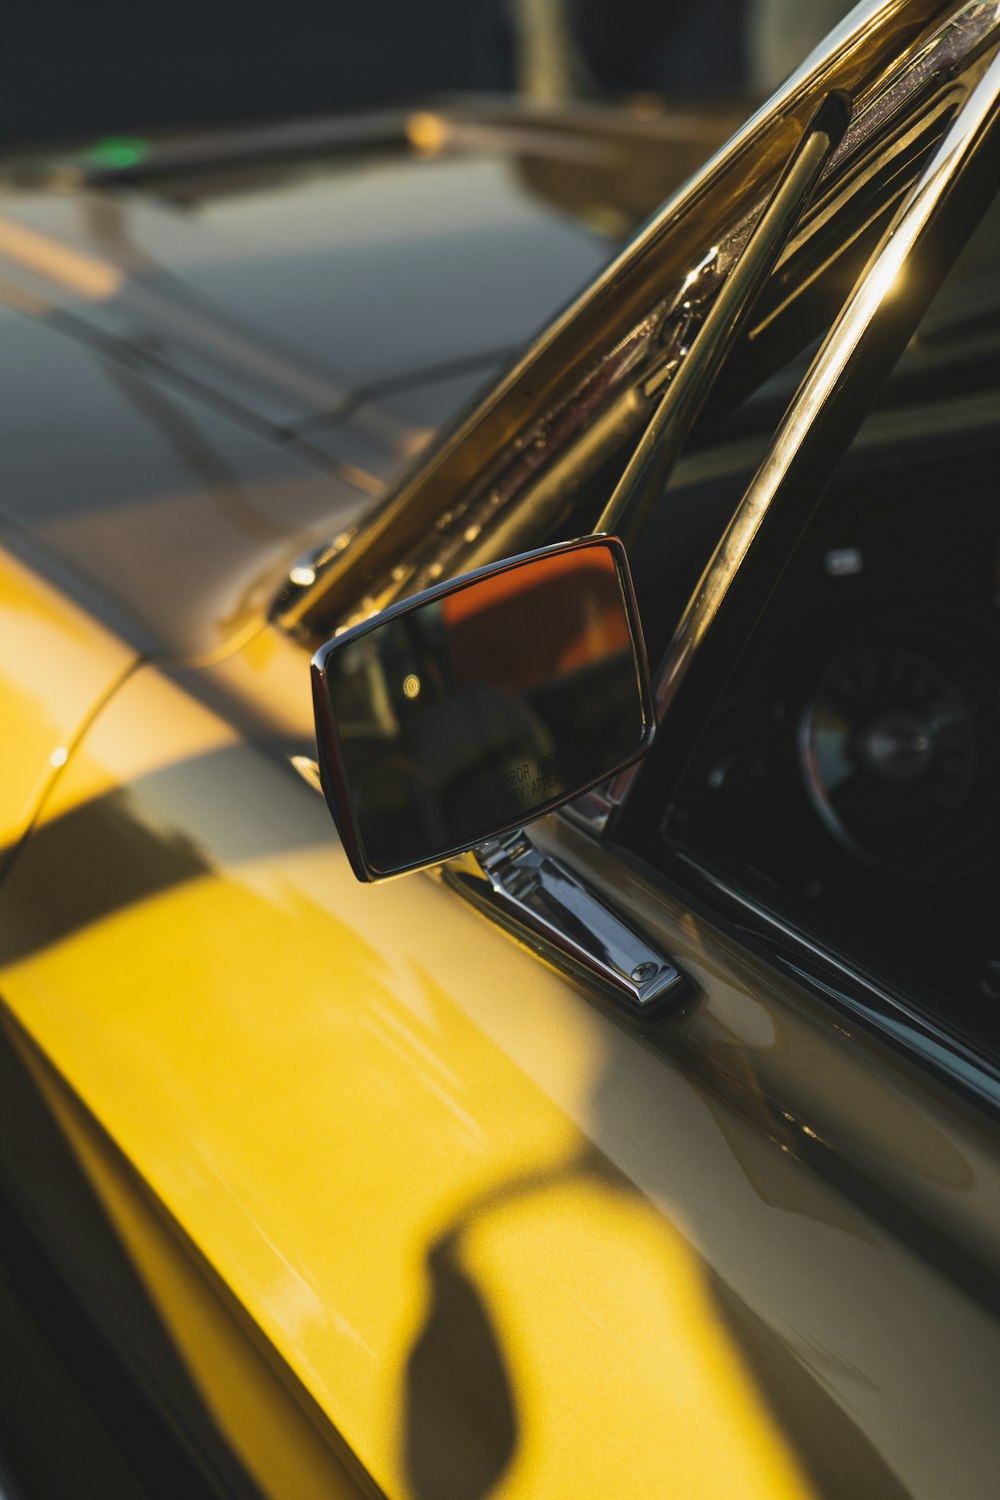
[[477, 706]]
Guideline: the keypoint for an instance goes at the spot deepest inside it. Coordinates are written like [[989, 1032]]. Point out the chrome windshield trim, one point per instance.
[[656, 452], [802, 436], [581, 381]]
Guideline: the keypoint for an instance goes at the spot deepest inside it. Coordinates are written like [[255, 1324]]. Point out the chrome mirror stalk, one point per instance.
[[539, 899]]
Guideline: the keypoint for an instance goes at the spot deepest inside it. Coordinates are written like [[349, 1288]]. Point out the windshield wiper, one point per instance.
[[660, 445]]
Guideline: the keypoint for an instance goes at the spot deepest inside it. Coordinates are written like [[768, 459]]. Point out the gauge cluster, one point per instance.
[[893, 757], [854, 759]]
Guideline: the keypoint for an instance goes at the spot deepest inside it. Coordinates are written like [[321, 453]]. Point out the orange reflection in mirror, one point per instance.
[[549, 617]]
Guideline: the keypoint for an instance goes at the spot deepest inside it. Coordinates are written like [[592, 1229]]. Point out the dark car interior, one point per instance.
[[849, 775]]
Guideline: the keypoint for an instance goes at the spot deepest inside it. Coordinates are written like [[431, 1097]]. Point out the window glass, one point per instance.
[[852, 767]]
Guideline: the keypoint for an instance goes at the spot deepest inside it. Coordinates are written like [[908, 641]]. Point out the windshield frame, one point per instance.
[[503, 476]]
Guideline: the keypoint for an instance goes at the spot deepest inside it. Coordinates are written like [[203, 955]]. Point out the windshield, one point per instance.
[[532, 460]]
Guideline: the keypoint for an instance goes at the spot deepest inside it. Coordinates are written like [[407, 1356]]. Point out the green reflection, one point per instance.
[[118, 151]]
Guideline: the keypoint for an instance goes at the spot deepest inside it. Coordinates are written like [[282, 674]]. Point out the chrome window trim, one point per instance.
[[855, 356], [810, 443], [891, 1013], [894, 1017], [854, 351]]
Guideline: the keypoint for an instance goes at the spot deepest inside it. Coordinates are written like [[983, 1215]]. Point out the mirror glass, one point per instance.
[[481, 704]]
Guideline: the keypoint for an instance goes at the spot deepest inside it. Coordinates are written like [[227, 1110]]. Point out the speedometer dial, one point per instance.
[[890, 751]]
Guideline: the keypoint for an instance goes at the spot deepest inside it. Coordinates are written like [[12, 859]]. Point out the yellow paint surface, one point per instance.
[[281, 1445], [286, 1058], [618, 1354], [58, 664]]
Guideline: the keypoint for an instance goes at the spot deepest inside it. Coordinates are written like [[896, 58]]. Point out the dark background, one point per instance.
[[99, 66]]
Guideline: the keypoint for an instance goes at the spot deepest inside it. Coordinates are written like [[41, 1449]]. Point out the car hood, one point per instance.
[[302, 291], [206, 374]]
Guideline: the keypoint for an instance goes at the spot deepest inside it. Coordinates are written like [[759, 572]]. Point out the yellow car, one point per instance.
[[629, 1127]]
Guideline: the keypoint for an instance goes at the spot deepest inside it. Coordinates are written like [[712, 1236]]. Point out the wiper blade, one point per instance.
[[660, 445]]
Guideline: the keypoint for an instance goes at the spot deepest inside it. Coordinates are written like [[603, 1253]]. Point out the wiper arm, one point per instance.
[[657, 450]]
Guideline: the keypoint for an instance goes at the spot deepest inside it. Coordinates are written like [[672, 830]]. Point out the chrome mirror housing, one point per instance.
[[481, 704]]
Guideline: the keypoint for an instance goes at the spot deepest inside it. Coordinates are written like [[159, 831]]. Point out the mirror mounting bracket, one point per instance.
[[541, 901]]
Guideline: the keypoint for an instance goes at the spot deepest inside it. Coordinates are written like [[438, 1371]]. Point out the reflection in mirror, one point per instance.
[[479, 705]]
